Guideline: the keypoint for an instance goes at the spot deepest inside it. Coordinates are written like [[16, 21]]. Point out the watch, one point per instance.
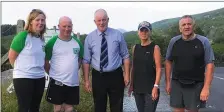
[[156, 85]]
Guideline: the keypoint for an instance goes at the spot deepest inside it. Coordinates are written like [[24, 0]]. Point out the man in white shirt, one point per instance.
[[64, 53]]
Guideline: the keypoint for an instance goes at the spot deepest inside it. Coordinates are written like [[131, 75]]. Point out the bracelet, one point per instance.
[[156, 85]]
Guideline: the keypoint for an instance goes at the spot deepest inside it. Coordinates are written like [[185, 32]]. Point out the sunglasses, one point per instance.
[[35, 10]]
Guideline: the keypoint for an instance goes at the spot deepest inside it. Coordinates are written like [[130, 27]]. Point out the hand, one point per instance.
[[126, 80], [130, 90], [168, 88], [154, 93], [87, 86], [204, 94]]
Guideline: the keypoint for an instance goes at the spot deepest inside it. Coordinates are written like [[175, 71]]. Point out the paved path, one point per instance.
[[163, 104], [214, 104]]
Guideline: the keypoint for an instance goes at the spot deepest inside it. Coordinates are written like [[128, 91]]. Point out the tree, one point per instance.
[[219, 40], [218, 52], [8, 29]]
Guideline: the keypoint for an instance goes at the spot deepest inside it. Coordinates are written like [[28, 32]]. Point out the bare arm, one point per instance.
[[86, 71], [209, 75], [168, 67], [157, 57], [126, 70], [12, 56], [132, 70], [126, 60], [209, 60], [47, 66], [80, 62]]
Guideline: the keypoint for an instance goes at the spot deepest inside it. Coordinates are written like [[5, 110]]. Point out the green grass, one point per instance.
[[9, 102]]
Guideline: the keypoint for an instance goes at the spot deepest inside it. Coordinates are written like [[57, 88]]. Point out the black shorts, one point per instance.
[[58, 93], [186, 96]]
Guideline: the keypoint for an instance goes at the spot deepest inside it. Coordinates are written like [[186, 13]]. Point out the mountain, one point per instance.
[[211, 23]]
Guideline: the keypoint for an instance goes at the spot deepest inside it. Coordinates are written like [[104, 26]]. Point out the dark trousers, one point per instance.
[[145, 103], [29, 93], [108, 84]]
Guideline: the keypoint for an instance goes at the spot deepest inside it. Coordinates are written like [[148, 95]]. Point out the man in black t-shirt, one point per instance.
[[190, 54]]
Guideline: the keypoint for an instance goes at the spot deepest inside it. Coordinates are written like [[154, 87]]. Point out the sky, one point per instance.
[[125, 15]]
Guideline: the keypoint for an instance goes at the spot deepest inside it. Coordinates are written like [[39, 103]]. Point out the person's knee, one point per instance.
[[195, 110], [57, 108], [68, 108], [178, 109]]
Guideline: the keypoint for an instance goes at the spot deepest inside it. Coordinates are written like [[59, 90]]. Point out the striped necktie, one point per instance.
[[104, 53]]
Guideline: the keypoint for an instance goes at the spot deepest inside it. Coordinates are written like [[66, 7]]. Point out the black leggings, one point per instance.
[[145, 103], [29, 93]]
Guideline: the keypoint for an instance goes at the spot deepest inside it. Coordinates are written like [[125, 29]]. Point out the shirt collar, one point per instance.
[[99, 33]]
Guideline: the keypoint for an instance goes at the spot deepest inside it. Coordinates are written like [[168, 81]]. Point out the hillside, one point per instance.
[[211, 23]]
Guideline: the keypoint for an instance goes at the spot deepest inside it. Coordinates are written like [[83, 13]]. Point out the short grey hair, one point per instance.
[[188, 16], [100, 10], [65, 18]]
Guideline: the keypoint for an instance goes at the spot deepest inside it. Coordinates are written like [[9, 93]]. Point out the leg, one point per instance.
[[68, 108], [99, 91], [178, 109], [192, 110], [38, 93], [116, 90], [192, 97], [55, 94], [139, 99], [58, 108], [176, 97], [71, 95], [150, 105], [71, 98], [24, 91]]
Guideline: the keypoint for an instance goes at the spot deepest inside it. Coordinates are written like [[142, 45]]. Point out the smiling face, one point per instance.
[[101, 20], [38, 23], [65, 27], [144, 33], [186, 26]]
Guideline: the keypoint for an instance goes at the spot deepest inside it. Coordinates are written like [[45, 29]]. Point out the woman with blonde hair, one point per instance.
[[27, 56]]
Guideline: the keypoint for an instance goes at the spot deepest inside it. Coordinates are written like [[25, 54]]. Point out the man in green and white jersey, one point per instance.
[[64, 53]]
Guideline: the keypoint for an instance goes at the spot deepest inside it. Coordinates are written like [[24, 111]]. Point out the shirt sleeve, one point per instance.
[[209, 54], [87, 51], [123, 48], [170, 47], [49, 48], [18, 41], [80, 45]]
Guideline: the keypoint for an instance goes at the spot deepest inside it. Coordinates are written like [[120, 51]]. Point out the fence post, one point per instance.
[[20, 26], [78, 35]]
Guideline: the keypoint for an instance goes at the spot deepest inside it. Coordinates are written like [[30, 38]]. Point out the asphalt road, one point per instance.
[[216, 98]]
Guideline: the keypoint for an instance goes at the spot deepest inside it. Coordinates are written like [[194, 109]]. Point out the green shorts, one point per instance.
[[186, 95]]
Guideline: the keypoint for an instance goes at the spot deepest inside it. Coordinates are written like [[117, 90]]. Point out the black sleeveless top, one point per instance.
[[144, 74]]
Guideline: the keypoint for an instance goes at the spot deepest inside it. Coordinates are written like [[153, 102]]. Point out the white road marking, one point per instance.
[[219, 77]]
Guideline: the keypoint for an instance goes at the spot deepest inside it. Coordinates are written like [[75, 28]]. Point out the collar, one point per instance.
[[99, 33], [191, 38]]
